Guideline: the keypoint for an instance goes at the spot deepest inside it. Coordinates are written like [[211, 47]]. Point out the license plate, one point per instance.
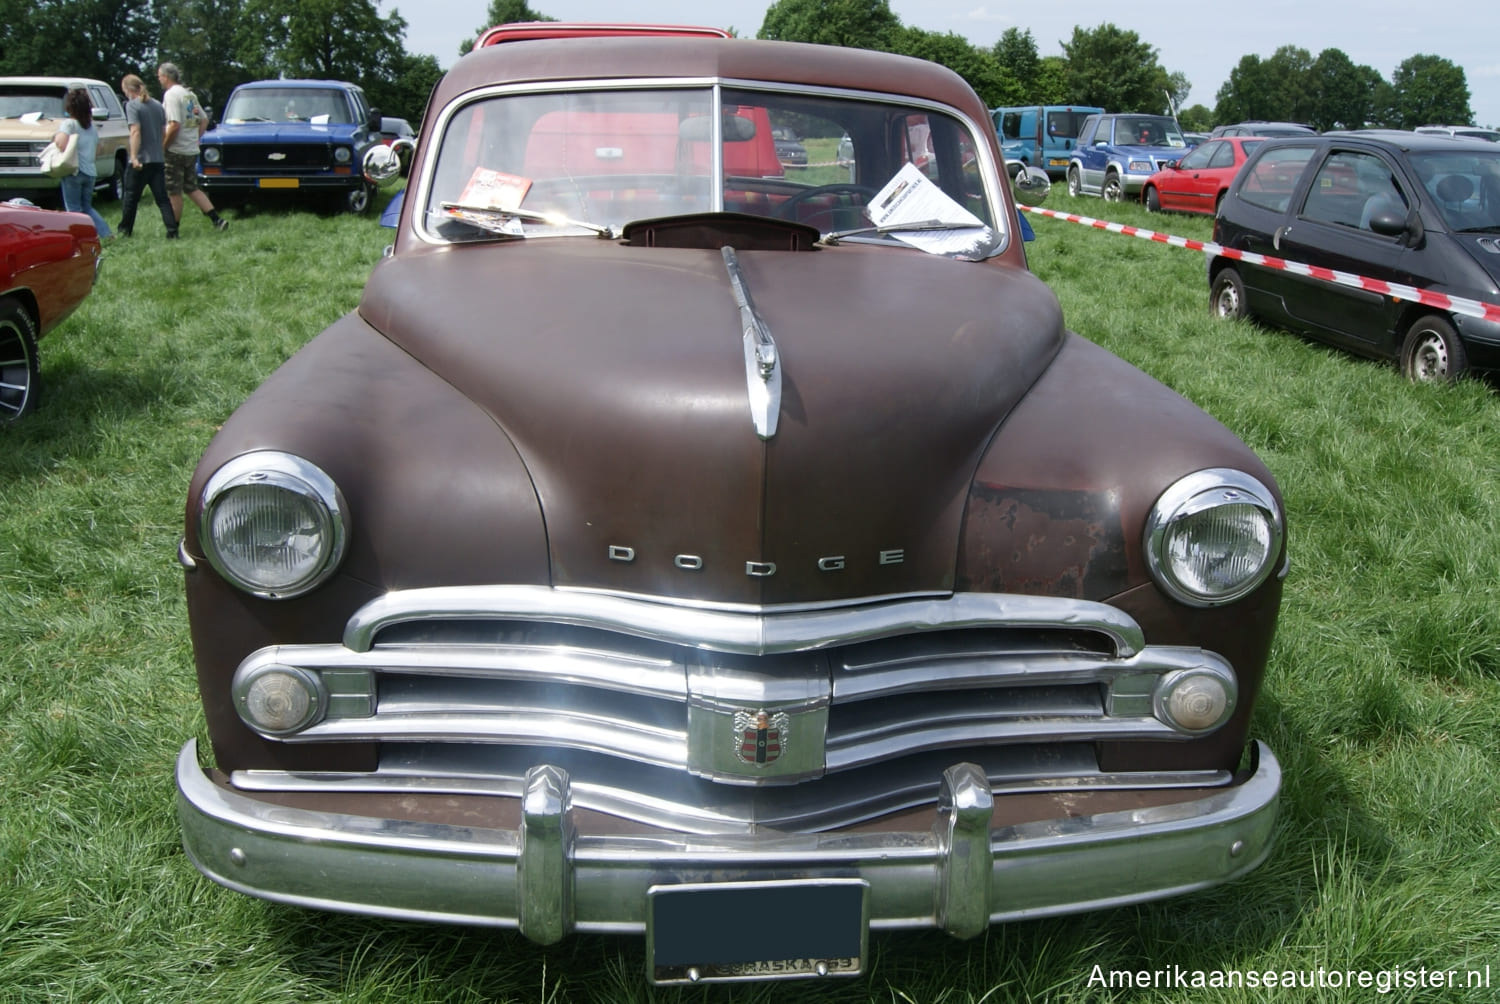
[[1057, 162], [724, 931], [279, 182]]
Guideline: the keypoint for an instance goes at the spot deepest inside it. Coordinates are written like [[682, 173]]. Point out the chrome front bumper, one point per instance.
[[546, 879]]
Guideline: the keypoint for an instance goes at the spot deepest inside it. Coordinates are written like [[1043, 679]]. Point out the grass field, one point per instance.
[[1381, 700]]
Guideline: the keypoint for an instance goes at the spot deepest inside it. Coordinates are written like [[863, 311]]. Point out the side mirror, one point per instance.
[[382, 164], [1030, 185], [373, 124]]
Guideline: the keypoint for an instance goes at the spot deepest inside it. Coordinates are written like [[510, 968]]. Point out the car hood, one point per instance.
[[278, 132], [15, 129], [619, 374]]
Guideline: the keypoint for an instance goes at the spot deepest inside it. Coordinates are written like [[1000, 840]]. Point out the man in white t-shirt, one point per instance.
[[185, 121]]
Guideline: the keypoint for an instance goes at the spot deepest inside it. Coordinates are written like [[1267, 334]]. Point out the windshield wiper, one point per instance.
[[501, 215], [898, 228]]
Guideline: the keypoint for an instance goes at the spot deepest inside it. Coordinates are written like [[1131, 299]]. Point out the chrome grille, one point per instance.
[[678, 687]]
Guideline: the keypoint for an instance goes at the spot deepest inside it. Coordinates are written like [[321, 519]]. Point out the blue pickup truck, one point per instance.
[[1116, 153], [284, 137]]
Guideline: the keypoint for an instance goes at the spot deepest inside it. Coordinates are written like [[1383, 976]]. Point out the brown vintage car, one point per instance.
[[660, 545]]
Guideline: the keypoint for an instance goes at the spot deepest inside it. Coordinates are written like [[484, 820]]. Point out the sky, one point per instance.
[[1376, 33]]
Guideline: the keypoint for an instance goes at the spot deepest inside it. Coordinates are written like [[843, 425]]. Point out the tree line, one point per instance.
[[1112, 68], [222, 43]]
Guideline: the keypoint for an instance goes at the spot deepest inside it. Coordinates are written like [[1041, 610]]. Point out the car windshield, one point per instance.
[[18, 101], [1464, 185], [590, 161], [1148, 130], [288, 104]]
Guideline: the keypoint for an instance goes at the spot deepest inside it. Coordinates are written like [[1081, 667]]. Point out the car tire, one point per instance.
[[1432, 351], [358, 199], [20, 375], [1226, 298], [1114, 188], [1075, 184], [1153, 200], [115, 190]]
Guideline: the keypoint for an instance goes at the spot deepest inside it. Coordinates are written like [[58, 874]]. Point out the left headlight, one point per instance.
[[1213, 537], [343, 154], [212, 155], [273, 524]]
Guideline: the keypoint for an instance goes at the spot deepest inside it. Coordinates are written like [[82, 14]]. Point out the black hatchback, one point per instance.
[[1416, 210]]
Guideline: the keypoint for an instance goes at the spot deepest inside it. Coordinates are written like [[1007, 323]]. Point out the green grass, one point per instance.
[[1381, 698]]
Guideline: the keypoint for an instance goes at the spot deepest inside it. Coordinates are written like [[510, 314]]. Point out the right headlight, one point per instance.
[[211, 155], [273, 524], [1213, 537]]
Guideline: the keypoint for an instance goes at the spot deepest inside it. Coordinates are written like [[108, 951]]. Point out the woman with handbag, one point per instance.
[[78, 188]]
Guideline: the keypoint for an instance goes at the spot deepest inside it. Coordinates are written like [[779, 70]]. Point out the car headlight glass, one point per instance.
[[1213, 537], [342, 154], [273, 524], [1141, 167], [212, 154]]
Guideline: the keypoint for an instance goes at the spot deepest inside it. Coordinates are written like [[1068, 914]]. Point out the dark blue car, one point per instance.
[[280, 137]]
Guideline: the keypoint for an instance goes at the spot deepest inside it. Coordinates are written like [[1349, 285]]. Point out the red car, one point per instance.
[[1197, 182], [48, 262]]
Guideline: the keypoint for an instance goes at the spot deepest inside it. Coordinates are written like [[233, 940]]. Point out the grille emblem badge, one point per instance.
[[760, 738], [276, 156]]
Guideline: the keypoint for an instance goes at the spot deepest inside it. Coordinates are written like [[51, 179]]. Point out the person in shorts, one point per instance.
[[185, 121]]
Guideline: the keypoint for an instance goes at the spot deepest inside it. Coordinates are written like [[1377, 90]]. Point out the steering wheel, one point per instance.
[[787, 210]]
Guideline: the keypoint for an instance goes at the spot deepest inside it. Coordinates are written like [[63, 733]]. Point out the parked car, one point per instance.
[[1469, 132], [658, 547], [1197, 182], [1117, 153], [1400, 207], [289, 137], [789, 148], [31, 109], [1256, 127], [48, 263], [392, 129], [1041, 135]]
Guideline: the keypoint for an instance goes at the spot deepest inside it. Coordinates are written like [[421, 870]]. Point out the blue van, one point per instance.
[[1041, 135]]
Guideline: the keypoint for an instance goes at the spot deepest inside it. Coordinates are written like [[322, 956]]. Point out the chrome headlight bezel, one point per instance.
[[289, 473], [1189, 498]]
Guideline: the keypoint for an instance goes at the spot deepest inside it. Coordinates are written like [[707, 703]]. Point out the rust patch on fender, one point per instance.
[[1042, 542]]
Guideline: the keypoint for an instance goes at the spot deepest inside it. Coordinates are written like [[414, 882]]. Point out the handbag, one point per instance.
[[60, 163]]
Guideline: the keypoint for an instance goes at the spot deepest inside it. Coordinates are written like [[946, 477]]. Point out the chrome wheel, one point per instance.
[[358, 200], [19, 372], [1075, 186], [1114, 188]]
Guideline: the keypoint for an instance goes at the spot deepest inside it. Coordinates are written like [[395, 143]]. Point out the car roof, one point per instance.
[[52, 81], [1402, 139], [670, 58], [309, 84]]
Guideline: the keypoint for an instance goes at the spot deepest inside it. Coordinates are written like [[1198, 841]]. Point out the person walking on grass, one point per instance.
[[147, 120], [185, 121], [78, 188]]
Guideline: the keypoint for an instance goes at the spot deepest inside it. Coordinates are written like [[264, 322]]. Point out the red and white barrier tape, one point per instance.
[[1455, 304]]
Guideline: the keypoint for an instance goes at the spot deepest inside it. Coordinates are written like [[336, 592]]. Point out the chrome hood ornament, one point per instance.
[[762, 366]]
